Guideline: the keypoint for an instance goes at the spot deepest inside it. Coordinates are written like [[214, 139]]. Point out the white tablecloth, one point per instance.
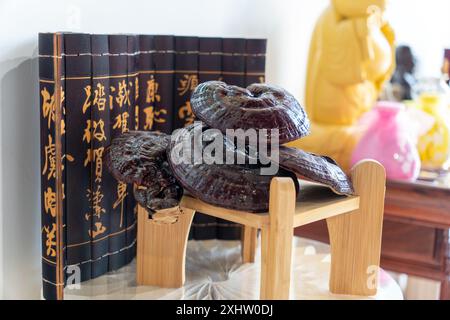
[[214, 271]]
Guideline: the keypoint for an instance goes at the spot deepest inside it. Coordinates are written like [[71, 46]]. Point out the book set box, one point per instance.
[[92, 89]]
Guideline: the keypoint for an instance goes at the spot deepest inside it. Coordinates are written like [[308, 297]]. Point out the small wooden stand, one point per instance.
[[161, 248], [354, 223]]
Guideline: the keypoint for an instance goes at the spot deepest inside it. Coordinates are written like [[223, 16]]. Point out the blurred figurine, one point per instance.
[[351, 57], [446, 66], [403, 79]]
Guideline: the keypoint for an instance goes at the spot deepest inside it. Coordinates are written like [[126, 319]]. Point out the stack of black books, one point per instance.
[[110, 84]]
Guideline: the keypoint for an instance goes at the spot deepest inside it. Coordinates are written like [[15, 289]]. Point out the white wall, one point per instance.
[[286, 23], [424, 24]]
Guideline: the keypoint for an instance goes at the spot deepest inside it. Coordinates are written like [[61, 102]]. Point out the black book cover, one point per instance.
[[147, 85], [255, 61], [130, 121], [233, 61], [186, 79], [161, 90], [120, 105], [97, 102], [97, 136], [210, 59], [79, 98], [49, 57]]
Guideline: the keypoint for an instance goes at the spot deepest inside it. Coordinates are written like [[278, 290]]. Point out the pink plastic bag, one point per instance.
[[388, 141]]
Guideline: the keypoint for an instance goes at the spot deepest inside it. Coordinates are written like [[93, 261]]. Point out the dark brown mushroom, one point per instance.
[[153, 162], [315, 168], [305, 166], [232, 186], [260, 106], [140, 158], [156, 198], [135, 156]]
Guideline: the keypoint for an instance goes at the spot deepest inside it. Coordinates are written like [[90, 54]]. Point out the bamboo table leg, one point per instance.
[[276, 241], [355, 237], [161, 250], [249, 243]]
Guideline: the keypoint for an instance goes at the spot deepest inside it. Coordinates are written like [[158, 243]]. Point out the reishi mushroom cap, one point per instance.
[[136, 156], [140, 158], [259, 106], [232, 186]]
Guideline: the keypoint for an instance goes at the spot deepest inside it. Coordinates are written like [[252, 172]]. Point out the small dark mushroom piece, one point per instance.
[[140, 158], [259, 106], [232, 186], [157, 198]]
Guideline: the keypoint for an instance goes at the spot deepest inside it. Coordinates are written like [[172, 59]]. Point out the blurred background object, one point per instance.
[[387, 140], [434, 144], [446, 66], [351, 57], [404, 78], [431, 95]]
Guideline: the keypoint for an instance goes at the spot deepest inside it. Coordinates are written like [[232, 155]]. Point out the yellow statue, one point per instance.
[[351, 56]]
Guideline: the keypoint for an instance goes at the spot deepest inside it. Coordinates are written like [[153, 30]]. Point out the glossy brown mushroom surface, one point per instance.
[[315, 168], [135, 156], [140, 158], [157, 198], [304, 165], [259, 106], [233, 186]]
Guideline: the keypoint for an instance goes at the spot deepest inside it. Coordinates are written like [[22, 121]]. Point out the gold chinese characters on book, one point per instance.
[[94, 88]]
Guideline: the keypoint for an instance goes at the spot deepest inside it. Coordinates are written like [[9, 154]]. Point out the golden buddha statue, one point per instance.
[[351, 56]]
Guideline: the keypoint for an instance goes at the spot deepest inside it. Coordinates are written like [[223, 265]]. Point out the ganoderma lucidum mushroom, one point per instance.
[[139, 157], [147, 159]]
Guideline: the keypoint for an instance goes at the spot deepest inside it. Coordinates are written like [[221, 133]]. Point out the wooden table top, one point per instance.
[[425, 202], [426, 180]]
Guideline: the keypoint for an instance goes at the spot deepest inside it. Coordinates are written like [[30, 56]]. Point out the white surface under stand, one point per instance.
[[214, 270]]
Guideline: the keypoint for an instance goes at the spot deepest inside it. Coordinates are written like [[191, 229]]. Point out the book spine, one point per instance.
[[210, 59], [209, 69], [255, 61], [79, 99], [161, 91], [186, 79], [233, 61], [51, 73], [147, 96], [62, 159], [99, 127], [130, 214], [120, 104]]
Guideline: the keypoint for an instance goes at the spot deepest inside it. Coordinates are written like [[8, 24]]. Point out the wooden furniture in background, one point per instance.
[[416, 230], [355, 228]]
